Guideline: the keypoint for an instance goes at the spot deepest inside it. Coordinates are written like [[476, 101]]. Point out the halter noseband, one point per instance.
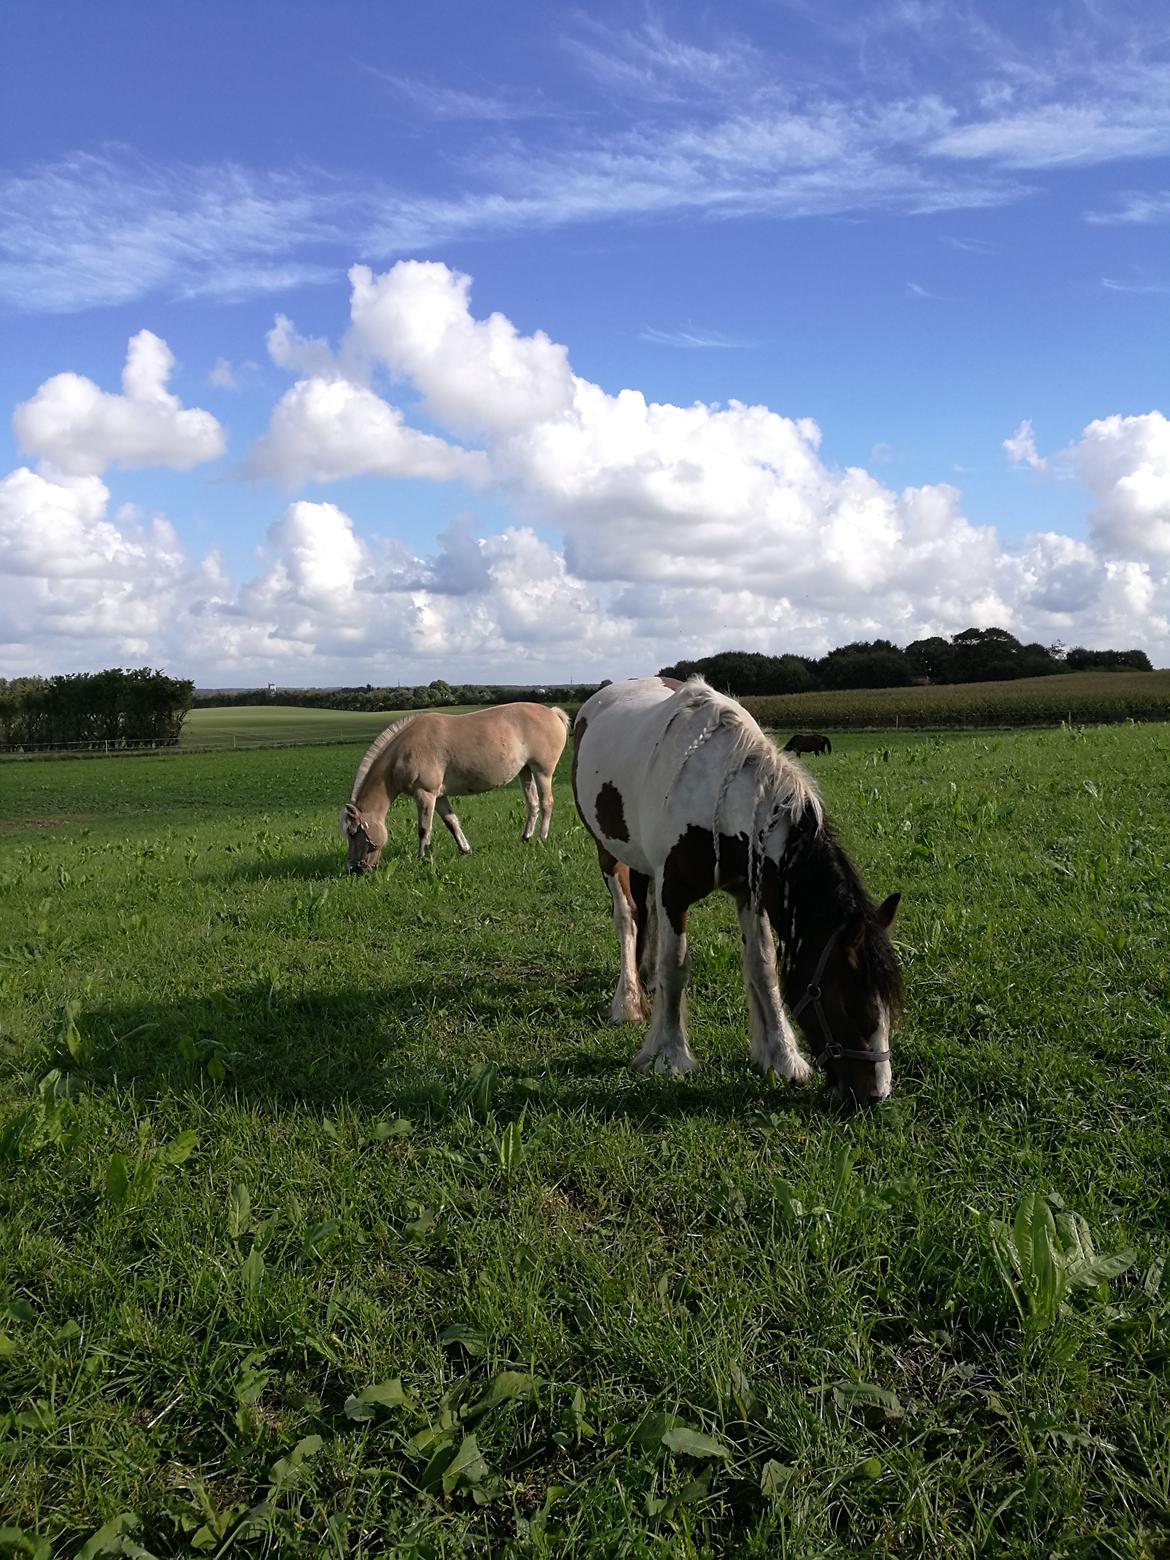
[[360, 833], [832, 1048]]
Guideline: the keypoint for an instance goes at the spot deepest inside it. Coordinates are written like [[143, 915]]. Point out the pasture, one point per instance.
[[257, 724], [332, 1220]]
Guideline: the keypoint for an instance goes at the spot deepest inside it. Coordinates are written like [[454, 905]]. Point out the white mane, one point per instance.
[[376, 747], [784, 790]]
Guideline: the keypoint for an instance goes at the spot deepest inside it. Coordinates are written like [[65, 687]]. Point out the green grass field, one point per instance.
[[282, 723], [333, 1222]]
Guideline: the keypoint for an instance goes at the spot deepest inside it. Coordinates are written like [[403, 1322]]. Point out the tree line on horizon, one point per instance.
[[974, 655], [116, 708], [374, 696], [135, 707]]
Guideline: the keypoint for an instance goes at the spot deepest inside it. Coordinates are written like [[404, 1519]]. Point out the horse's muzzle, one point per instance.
[[859, 1099]]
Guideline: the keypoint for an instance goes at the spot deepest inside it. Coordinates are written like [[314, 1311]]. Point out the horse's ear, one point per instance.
[[853, 937], [887, 910], [350, 820]]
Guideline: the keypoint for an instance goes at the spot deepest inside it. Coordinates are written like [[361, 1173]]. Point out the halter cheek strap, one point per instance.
[[812, 997], [361, 834]]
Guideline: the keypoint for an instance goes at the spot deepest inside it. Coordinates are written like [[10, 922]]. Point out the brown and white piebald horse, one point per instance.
[[432, 757], [684, 793]]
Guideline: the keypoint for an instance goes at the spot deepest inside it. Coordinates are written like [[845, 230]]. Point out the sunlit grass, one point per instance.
[[332, 1219], [254, 724]]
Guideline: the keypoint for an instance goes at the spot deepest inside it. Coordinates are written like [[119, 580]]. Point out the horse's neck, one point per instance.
[[808, 895], [375, 796]]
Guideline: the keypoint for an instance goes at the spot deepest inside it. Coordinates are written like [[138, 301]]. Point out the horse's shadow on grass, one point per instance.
[[311, 865], [412, 1049]]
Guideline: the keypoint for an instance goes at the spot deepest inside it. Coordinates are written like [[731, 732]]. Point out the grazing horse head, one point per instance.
[[840, 974], [365, 836]]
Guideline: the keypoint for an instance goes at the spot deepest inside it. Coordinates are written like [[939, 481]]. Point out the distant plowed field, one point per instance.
[[1082, 698]]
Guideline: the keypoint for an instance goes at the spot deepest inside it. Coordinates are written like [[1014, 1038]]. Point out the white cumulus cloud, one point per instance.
[[1125, 464], [78, 429], [1021, 448], [476, 376], [633, 531], [325, 428]]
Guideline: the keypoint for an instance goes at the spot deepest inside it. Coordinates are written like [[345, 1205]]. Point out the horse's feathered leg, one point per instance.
[[773, 1041], [528, 786], [666, 1047], [629, 1005], [447, 813], [646, 923]]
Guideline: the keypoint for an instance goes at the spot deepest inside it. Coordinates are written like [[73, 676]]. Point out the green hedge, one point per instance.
[[109, 710]]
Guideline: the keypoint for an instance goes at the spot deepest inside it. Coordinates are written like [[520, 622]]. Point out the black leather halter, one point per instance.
[[360, 833], [832, 1048]]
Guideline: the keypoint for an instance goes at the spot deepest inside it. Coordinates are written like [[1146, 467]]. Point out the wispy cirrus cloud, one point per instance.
[[692, 337], [970, 246], [658, 66], [1137, 206], [440, 100], [655, 141], [1053, 135], [99, 228], [1112, 285]]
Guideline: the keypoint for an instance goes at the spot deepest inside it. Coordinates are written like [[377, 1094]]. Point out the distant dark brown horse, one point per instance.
[[808, 742]]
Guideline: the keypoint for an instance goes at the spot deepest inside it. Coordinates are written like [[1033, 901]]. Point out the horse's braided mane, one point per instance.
[[376, 747], [784, 790]]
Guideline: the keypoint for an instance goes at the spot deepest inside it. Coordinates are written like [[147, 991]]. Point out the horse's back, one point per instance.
[[458, 755], [632, 775]]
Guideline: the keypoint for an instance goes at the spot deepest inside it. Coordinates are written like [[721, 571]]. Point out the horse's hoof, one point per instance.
[[675, 1064], [627, 1015], [798, 1070], [664, 1061]]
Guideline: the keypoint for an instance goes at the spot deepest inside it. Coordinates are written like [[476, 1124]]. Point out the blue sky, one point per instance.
[[924, 229]]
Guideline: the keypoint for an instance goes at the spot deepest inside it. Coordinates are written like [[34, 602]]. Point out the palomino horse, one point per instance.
[[683, 793], [433, 757], [808, 742]]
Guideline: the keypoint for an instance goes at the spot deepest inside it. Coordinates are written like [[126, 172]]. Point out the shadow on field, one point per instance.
[[310, 865], [410, 1048]]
